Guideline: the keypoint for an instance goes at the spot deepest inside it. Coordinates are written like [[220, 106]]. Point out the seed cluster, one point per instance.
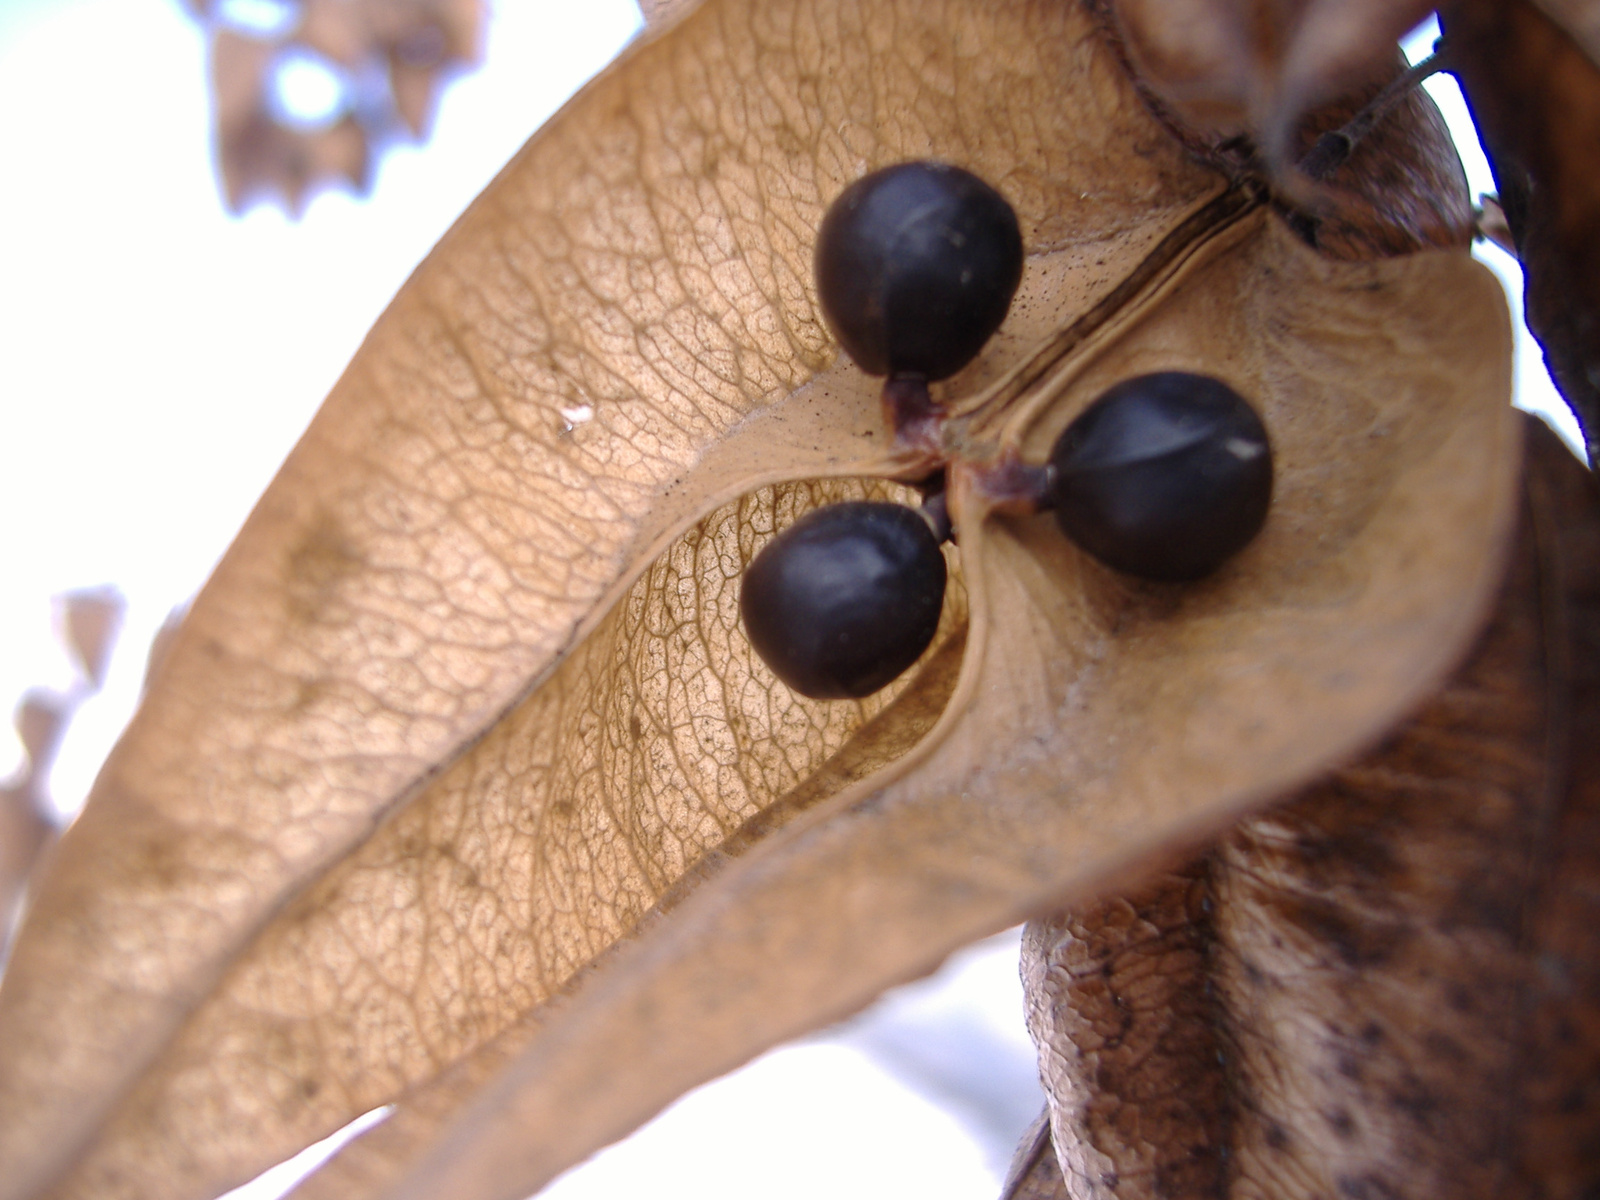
[[1164, 477]]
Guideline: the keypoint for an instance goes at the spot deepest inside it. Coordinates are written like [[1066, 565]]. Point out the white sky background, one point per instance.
[[157, 361]]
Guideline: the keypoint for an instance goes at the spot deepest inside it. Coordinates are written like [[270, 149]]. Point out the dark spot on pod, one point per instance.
[[916, 266], [1574, 1099], [1416, 1100], [1326, 856], [1370, 1186], [1443, 1046], [1348, 1065], [1342, 1123], [1357, 939], [845, 599], [1165, 476]]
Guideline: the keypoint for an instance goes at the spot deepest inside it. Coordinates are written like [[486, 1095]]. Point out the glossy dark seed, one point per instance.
[[916, 266], [1165, 476], [845, 599]]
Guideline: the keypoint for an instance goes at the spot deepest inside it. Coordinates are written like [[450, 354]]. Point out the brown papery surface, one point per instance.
[[1386, 986], [1254, 66], [544, 408], [459, 788], [1096, 727], [1531, 74]]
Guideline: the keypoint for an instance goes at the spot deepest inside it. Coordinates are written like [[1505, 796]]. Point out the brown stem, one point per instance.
[[913, 415], [1013, 486], [1334, 148]]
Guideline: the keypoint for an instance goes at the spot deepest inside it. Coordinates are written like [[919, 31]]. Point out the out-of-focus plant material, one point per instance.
[[389, 58], [1493, 226], [460, 789], [1387, 197], [25, 829], [1579, 18], [87, 626], [1401, 963], [24, 832], [1386, 194], [1253, 67], [1035, 1173], [41, 719], [1534, 90]]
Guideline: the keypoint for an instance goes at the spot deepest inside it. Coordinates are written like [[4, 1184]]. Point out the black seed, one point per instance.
[[1165, 476], [845, 599], [916, 266]]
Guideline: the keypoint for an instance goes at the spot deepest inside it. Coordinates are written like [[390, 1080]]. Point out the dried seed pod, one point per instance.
[[916, 266], [845, 599], [1165, 476]]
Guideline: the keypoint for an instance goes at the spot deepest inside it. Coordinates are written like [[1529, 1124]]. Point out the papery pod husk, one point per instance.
[[1388, 984], [460, 789]]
